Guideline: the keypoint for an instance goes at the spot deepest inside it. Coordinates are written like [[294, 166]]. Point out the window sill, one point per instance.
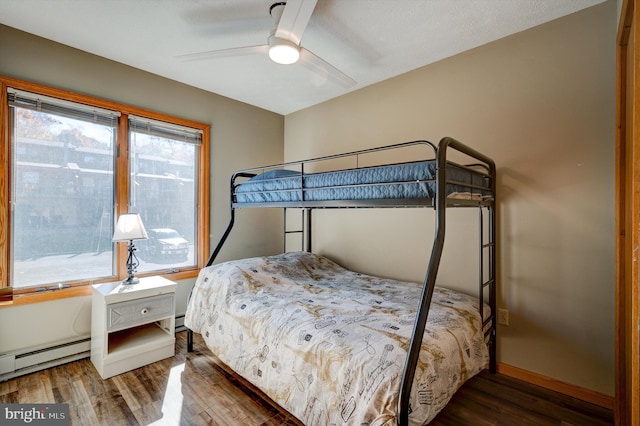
[[76, 291], [46, 296]]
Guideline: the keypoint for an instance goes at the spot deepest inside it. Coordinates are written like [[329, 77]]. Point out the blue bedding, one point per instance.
[[406, 180]]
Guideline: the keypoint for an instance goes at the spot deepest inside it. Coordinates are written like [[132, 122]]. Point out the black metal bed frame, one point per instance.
[[486, 287]]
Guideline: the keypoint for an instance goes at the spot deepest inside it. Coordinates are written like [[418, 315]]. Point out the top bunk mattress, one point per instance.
[[396, 181]]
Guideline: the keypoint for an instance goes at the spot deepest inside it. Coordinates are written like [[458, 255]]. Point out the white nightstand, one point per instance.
[[132, 325]]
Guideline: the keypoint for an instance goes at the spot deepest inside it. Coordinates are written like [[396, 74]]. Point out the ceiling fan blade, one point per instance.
[[294, 19], [323, 68], [221, 53]]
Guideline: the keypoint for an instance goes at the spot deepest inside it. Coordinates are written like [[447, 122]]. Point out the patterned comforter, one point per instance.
[[328, 344]]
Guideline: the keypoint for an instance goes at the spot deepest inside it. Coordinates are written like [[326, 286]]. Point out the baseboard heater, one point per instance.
[[180, 323], [18, 364]]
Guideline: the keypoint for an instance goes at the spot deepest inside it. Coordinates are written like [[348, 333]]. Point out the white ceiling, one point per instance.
[[369, 40]]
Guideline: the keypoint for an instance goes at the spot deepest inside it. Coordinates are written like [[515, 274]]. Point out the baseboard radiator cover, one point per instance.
[[180, 323], [15, 364], [21, 363]]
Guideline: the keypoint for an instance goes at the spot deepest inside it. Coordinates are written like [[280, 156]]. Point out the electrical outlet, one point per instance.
[[503, 317]]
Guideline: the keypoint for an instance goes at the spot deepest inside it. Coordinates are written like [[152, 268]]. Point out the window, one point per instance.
[[163, 168], [74, 166], [62, 191]]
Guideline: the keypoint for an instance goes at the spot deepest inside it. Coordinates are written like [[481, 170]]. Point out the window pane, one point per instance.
[[163, 191], [63, 197]]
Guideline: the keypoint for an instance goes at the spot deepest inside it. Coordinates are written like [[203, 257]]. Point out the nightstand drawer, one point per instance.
[[140, 311]]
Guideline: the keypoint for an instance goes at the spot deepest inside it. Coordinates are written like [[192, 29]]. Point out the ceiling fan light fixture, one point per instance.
[[283, 51]]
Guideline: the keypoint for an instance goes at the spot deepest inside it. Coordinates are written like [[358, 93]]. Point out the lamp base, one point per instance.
[[132, 265], [131, 281]]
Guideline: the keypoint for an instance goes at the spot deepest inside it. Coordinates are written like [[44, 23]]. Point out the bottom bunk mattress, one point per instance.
[[328, 344]]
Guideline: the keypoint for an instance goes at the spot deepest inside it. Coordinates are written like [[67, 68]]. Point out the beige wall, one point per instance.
[[541, 103], [241, 136]]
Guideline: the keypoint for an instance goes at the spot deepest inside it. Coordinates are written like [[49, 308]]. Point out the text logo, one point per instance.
[[35, 414]]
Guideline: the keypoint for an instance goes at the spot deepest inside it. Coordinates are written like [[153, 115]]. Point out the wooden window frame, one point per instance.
[[80, 288]]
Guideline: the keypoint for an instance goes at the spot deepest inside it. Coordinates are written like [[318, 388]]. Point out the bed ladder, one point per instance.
[[487, 279], [302, 229]]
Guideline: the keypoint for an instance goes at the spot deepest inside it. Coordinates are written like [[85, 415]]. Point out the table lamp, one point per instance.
[[129, 228]]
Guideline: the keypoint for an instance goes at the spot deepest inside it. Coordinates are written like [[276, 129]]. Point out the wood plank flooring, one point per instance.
[[196, 389]]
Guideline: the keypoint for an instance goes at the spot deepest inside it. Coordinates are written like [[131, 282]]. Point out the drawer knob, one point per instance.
[[144, 311]]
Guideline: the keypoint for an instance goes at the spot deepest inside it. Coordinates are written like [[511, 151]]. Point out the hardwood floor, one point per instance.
[[195, 389], [495, 399]]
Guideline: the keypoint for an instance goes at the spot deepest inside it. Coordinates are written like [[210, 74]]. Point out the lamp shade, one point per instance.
[[129, 227]]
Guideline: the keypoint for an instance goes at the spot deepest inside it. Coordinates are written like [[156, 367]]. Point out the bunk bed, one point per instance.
[[335, 346]]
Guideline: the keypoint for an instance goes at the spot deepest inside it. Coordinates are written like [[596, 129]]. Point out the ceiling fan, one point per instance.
[[283, 44]]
